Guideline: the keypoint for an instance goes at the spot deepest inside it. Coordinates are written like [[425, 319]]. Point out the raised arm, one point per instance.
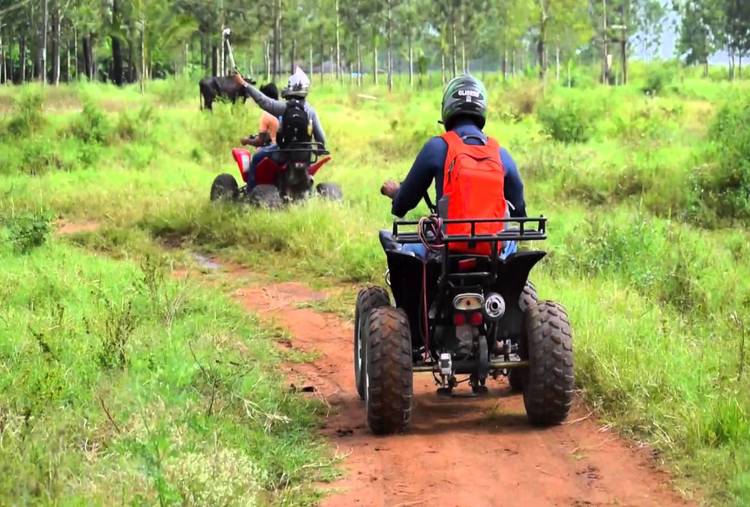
[[266, 103]]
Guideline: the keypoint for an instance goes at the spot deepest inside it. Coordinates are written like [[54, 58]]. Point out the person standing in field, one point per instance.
[[268, 123], [494, 177], [295, 95]]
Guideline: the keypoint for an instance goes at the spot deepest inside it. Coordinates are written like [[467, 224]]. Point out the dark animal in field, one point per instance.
[[212, 88]]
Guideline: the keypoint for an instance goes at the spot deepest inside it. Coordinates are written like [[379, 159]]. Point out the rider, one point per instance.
[[297, 88], [464, 111], [268, 125]]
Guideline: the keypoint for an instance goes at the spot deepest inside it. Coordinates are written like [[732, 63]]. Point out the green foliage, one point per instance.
[[658, 79], [92, 126], [567, 121], [101, 403], [28, 231], [723, 182], [28, 118]]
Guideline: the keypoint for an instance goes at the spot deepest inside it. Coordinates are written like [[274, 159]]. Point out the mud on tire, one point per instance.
[[224, 188], [389, 371], [367, 300], [549, 381], [527, 299], [266, 196]]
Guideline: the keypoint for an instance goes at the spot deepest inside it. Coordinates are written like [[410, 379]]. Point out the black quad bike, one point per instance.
[[457, 314], [285, 176]]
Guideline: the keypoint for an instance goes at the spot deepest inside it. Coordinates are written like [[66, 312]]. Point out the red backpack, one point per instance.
[[473, 186]]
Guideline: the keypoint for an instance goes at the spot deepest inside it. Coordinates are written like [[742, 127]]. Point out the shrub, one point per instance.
[[658, 78], [29, 231], [28, 117], [724, 183], [92, 126], [40, 155], [566, 121], [520, 101], [135, 127]]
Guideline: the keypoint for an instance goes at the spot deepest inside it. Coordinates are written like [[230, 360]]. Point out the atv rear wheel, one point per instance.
[[388, 374], [367, 300], [549, 381], [516, 375], [330, 191], [266, 196], [224, 188]]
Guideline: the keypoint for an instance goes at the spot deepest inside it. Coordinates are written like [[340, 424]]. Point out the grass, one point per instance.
[[655, 278], [120, 385]]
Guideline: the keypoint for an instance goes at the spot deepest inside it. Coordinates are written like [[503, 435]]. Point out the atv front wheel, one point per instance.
[[266, 196], [388, 374], [549, 381], [330, 191], [224, 188], [367, 300]]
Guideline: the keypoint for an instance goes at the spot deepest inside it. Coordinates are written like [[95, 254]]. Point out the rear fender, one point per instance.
[[243, 158], [267, 171], [317, 165], [513, 273]]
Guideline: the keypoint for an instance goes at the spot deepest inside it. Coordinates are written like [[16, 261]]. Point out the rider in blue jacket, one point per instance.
[[467, 119]]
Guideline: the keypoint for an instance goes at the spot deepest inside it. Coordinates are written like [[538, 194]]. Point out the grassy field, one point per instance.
[[646, 188]]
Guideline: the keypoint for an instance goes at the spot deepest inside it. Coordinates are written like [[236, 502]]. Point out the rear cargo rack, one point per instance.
[[515, 229]]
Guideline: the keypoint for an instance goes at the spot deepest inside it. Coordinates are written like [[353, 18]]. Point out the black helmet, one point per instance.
[[465, 95]]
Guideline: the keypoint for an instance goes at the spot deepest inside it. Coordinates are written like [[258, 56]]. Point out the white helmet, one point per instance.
[[298, 85]]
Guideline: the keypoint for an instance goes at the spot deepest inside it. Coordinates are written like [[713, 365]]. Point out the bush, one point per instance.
[[566, 121], [724, 182], [658, 78], [135, 127], [27, 232], [28, 118], [92, 126]]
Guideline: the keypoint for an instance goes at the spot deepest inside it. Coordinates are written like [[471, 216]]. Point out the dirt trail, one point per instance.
[[458, 452]]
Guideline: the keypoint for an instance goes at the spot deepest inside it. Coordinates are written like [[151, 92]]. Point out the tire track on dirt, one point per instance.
[[460, 451]]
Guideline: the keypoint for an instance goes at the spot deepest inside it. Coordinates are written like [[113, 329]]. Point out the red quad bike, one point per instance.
[[458, 314], [285, 176]]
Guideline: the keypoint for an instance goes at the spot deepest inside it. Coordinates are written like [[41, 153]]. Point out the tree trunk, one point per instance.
[[390, 47], [276, 36], [541, 50], [411, 62], [557, 63], [605, 48], [454, 50], [56, 28], [144, 69], [375, 63], [312, 61], [338, 43], [442, 66], [214, 60], [322, 60], [359, 63], [705, 67], [267, 58], [43, 48], [117, 67], [504, 65], [624, 51], [293, 56], [87, 64]]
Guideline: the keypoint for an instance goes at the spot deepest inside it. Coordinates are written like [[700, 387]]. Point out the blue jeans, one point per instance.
[[418, 249], [258, 156]]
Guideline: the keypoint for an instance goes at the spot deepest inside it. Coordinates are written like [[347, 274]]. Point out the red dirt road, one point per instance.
[[458, 452]]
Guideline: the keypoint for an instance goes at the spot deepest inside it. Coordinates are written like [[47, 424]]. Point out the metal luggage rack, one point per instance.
[[521, 233], [524, 229]]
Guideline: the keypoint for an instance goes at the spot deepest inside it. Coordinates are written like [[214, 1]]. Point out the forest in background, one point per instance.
[[122, 41]]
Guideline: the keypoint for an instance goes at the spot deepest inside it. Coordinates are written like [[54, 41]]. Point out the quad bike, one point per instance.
[[286, 176], [458, 314]]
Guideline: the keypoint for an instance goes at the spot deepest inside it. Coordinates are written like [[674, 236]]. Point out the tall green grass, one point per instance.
[[119, 385]]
